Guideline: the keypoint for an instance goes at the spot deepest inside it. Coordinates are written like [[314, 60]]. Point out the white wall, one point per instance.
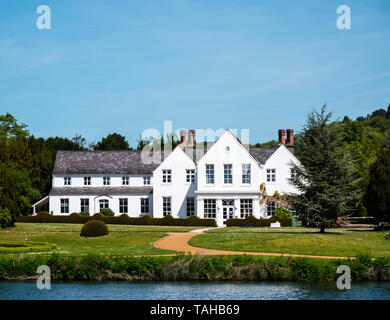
[[178, 161], [97, 180]]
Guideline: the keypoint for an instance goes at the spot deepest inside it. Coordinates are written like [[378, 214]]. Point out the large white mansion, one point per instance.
[[223, 183]]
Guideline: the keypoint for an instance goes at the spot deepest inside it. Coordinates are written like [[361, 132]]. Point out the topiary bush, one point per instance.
[[107, 212], [5, 218], [387, 236], [84, 214], [94, 228]]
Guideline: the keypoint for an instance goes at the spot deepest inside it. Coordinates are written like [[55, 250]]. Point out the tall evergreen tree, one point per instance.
[[324, 178]]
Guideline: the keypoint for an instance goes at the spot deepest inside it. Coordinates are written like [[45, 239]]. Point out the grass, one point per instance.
[[335, 242], [122, 240]]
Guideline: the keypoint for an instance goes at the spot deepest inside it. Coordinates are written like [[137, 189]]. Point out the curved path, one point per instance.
[[178, 241]]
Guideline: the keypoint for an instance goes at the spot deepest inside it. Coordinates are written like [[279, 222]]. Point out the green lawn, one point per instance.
[[122, 240], [335, 242]]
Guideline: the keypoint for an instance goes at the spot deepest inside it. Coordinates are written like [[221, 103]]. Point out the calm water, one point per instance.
[[193, 290]]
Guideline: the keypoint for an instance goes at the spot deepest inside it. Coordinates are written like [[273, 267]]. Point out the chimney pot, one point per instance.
[[183, 137], [282, 136], [192, 138]]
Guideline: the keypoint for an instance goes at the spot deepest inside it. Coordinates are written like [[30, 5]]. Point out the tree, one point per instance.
[[112, 142], [9, 127], [142, 142], [377, 196], [79, 140], [324, 178]]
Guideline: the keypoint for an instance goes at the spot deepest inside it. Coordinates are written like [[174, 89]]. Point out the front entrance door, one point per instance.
[[227, 209]]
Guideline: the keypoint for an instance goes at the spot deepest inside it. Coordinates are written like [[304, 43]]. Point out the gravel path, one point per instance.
[[179, 241]]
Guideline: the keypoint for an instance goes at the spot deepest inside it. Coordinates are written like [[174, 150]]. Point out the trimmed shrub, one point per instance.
[[5, 218], [107, 212], [387, 235], [94, 228], [253, 221], [283, 213], [168, 220], [84, 214]]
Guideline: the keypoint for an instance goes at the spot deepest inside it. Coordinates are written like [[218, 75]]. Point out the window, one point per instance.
[[227, 174], [87, 181], [190, 206], [271, 175], [270, 208], [67, 181], [106, 181], [167, 206], [246, 173], [166, 176], [103, 204], [84, 205], [146, 181], [123, 205], [293, 173], [209, 173], [125, 181], [246, 207], [144, 205], [64, 205], [190, 175], [210, 208]]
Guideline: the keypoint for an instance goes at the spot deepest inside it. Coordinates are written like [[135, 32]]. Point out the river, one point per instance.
[[15, 290]]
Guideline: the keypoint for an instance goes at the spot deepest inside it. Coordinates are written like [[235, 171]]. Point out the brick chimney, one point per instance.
[[191, 142], [183, 137], [282, 136], [290, 140]]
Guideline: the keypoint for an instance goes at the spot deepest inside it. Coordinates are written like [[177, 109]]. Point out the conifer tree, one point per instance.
[[323, 179]]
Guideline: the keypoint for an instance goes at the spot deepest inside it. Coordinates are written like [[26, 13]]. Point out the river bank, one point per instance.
[[191, 268]]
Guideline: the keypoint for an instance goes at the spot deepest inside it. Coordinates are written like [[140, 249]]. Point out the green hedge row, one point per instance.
[[45, 217], [253, 221], [190, 268]]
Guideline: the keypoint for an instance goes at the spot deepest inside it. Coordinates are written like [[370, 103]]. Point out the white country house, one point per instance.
[[220, 183]]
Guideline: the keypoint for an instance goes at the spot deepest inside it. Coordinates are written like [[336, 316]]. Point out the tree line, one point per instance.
[[346, 165]]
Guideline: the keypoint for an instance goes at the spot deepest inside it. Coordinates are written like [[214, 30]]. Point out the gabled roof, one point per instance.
[[130, 161]]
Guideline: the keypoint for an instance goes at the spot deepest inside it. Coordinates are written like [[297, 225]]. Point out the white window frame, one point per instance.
[[246, 173], [147, 181], [67, 181], [166, 175], [210, 177], [210, 208], [271, 207], [123, 205], [64, 205], [190, 205], [87, 181], [125, 180], [84, 204], [228, 173], [190, 175], [167, 206], [104, 204], [144, 205], [106, 181], [271, 175], [246, 204]]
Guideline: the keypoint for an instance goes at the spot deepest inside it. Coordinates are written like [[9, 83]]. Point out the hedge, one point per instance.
[[252, 221], [124, 219]]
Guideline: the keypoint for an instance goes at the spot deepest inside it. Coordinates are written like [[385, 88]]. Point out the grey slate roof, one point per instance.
[[126, 162], [101, 162], [262, 154], [99, 191]]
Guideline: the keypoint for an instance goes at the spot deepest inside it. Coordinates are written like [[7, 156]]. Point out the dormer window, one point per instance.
[[87, 181], [106, 181], [125, 181], [67, 181], [146, 181]]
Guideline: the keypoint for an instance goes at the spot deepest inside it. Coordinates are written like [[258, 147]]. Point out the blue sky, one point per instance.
[[125, 66]]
